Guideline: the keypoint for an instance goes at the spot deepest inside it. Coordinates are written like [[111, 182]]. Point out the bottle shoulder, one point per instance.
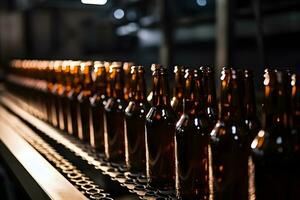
[[192, 124], [116, 104], [137, 108], [161, 113], [226, 131]]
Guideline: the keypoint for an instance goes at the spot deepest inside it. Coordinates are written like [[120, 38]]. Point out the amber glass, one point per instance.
[[135, 115], [83, 101], [229, 143], [50, 83], [295, 119], [71, 107], [150, 95], [211, 106], [192, 142], [160, 130], [178, 92], [55, 92], [114, 116], [98, 102], [276, 166], [127, 77], [62, 93]]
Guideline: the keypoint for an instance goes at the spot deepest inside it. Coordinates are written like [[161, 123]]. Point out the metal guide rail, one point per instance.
[[39, 179], [79, 179], [89, 161]]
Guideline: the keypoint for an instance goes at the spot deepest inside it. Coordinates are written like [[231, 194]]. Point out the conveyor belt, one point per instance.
[[110, 177]]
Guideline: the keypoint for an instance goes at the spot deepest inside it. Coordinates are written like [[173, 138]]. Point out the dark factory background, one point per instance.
[[250, 33]]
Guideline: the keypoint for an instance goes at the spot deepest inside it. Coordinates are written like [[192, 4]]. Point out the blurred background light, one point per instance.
[[201, 2], [119, 13], [94, 2]]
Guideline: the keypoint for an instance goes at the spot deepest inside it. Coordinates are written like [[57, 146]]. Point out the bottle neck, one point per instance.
[[117, 84], [230, 99], [141, 89], [178, 91], [210, 90], [194, 103], [160, 88], [276, 103], [100, 82], [249, 98]]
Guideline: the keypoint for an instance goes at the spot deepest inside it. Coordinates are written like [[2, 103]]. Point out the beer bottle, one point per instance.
[[160, 130], [98, 102], [229, 143], [83, 101], [56, 88], [211, 106], [50, 84], [274, 168], [178, 92], [249, 105], [72, 98], [192, 142], [295, 135], [114, 116], [135, 115], [64, 89]]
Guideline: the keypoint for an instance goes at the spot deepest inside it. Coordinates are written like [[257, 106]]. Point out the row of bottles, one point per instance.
[[184, 141]]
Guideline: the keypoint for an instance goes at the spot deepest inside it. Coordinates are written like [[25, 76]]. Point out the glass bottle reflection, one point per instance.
[[83, 101], [229, 143], [192, 142], [114, 117], [135, 115], [98, 102], [160, 130], [178, 93]]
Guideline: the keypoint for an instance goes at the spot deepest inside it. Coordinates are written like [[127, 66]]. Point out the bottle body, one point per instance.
[[229, 143], [160, 152], [83, 106], [135, 115], [192, 158], [276, 166], [96, 112], [114, 130]]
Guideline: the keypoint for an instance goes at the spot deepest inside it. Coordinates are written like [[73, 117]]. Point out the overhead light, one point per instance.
[[94, 2], [201, 2], [119, 13]]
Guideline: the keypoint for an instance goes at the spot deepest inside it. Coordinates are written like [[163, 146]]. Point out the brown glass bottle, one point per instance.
[[50, 84], [249, 104], [276, 170], [211, 106], [114, 117], [98, 102], [71, 107], [64, 89], [192, 142], [295, 135], [55, 90], [160, 130], [83, 101], [229, 143], [178, 92], [135, 115]]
